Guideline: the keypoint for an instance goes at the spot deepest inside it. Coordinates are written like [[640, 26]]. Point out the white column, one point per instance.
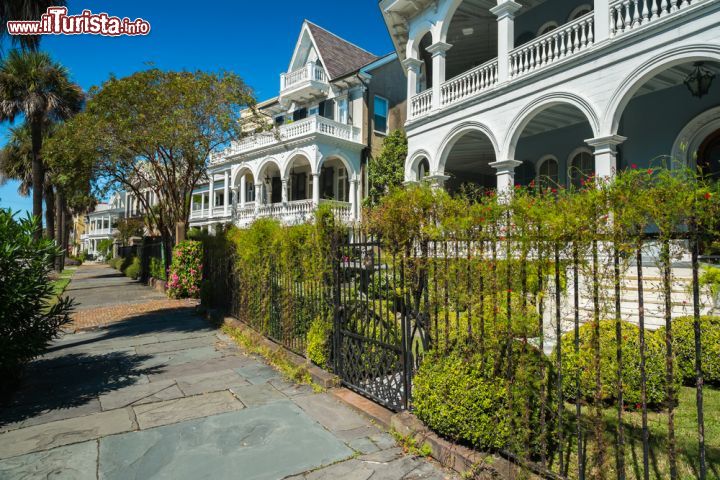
[[226, 192], [438, 50], [284, 193], [353, 199], [412, 67], [202, 205], [316, 189], [212, 195], [605, 149], [505, 172], [437, 179], [127, 198], [505, 11], [601, 11], [243, 191], [259, 196], [235, 191]]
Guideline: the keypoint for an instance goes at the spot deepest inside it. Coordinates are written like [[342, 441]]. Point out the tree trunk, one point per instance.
[[67, 222], [59, 229], [38, 176], [50, 210]]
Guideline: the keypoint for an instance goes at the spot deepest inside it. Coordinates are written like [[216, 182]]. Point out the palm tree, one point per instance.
[[39, 89], [24, 10], [16, 164]]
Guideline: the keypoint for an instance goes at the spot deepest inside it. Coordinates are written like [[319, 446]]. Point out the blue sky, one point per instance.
[[252, 39]]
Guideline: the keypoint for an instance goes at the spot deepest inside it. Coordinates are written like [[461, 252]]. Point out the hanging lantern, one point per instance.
[[699, 80]]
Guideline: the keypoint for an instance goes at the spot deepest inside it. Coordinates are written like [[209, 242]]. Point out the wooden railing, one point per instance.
[[470, 83]]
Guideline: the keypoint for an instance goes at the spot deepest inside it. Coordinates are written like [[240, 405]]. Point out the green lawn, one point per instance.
[[62, 281], [685, 434]]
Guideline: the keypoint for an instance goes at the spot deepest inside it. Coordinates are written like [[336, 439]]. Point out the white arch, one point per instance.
[[238, 171], [415, 36], [352, 173], [446, 14], [291, 159], [263, 165], [456, 134], [634, 81], [412, 162], [546, 158], [688, 142], [549, 100]]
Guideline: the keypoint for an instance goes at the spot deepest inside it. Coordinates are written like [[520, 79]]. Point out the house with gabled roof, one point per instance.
[[335, 104]]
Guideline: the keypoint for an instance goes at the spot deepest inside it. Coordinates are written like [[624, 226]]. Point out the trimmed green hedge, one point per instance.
[[319, 341], [465, 396], [684, 347], [133, 270], [654, 364]]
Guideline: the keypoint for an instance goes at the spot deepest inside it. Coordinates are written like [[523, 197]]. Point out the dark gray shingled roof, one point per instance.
[[339, 56]]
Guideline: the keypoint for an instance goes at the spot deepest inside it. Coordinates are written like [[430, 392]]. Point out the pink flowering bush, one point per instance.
[[186, 270]]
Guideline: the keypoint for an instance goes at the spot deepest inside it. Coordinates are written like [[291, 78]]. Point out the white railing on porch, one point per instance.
[[421, 103], [290, 213], [565, 41], [627, 15], [469, 83], [310, 72], [308, 126]]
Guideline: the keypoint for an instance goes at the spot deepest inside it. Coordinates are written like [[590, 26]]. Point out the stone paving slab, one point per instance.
[[72, 462], [211, 382], [329, 412], [64, 432], [55, 414], [259, 443], [175, 345], [255, 395], [173, 411], [137, 394]]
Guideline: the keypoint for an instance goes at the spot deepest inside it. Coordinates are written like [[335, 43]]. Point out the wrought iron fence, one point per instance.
[[578, 332]]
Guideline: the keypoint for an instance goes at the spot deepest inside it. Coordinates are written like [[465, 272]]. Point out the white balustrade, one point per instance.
[[311, 125], [421, 103], [469, 83], [310, 72], [563, 42], [627, 15]]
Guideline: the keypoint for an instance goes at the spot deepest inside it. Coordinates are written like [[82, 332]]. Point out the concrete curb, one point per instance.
[[459, 458]]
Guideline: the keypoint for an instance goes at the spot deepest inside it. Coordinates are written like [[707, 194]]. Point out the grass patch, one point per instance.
[[410, 445], [60, 283], [277, 359], [685, 434]]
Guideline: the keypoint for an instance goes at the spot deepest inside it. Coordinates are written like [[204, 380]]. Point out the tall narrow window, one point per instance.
[[250, 191], [548, 175], [342, 185], [342, 105], [582, 166], [380, 114]]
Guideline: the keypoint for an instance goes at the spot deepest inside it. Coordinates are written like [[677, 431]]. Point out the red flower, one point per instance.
[[650, 171], [532, 183], [708, 195], [638, 406], [633, 166], [517, 186], [554, 190]]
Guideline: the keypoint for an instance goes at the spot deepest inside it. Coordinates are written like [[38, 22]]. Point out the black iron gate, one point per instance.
[[376, 325]]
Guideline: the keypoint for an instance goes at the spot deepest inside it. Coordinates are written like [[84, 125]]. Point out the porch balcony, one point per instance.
[[313, 126], [98, 233], [290, 213], [304, 83], [564, 47]]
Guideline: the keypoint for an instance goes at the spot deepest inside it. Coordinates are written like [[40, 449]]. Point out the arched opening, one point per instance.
[[708, 157], [581, 166], [244, 187], [548, 172], [299, 177], [425, 77], [335, 180], [423, 169], [270, 178], [550, 140], [661, 109], [467, 163], [473, 35]]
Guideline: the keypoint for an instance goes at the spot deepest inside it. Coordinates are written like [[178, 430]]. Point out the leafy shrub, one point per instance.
[[125, 263], [186, 270], [133, 271], [710, 277], [654, 364], [319, 341], [28, 318], [115, 262], [157, 268], [684, 347], [461, 395]]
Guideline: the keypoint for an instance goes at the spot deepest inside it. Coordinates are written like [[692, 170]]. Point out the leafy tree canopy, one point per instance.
[[387, 171]]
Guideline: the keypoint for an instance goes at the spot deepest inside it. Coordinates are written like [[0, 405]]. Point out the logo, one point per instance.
[[56, 21]]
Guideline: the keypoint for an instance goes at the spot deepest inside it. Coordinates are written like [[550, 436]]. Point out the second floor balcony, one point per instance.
[[456, 64], [306, 82], [314, 125]]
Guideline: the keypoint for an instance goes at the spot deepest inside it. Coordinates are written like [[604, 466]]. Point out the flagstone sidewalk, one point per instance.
[[164, 395]]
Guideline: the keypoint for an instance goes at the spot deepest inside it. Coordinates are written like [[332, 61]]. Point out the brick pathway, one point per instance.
[[164, 395]]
